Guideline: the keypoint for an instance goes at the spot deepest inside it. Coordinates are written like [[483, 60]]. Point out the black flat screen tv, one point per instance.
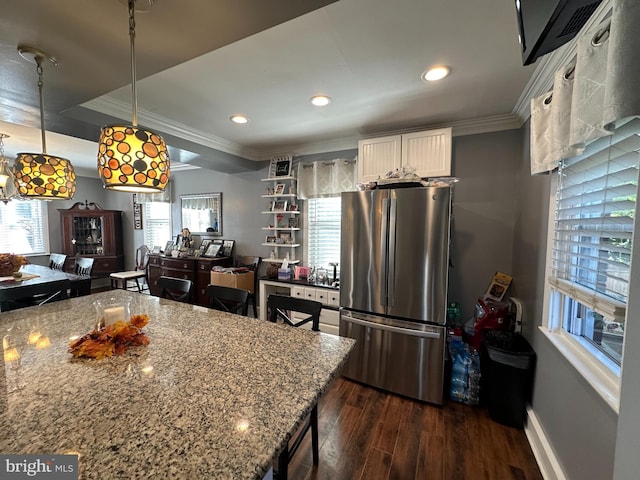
[[545, 25]]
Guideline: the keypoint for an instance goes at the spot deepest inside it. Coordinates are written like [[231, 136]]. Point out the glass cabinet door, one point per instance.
[[87, 235]]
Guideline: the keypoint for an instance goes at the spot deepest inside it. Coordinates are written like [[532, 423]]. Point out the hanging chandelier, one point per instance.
[[7, 188], [41, 176], [132, 159]]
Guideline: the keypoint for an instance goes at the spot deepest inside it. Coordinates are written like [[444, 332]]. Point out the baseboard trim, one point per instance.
[[545, 456]]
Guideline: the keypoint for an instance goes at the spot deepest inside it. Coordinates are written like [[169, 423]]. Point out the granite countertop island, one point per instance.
[[213, 395]]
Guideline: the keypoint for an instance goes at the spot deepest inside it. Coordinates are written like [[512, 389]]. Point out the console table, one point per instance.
[[196, 269]]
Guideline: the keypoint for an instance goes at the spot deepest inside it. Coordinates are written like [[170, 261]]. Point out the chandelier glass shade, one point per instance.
[[7, 187], [131, 159]]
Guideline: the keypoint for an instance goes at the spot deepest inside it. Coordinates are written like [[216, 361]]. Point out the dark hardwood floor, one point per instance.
[[368, 434]]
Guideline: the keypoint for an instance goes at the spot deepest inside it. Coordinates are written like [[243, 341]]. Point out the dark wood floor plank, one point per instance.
[[389, 424], [377, 465], [368, 434]]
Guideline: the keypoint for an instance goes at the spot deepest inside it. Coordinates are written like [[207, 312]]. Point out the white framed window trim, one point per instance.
[[596, 368], [24, 227]]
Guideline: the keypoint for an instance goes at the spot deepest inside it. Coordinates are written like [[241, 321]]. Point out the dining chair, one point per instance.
[[178, 289], [83, 266], [253, 264], [285, 308], [139, 273], [228, 299], [56, 261]]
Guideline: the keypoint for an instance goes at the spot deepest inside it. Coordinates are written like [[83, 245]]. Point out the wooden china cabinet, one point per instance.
[[89, 231]]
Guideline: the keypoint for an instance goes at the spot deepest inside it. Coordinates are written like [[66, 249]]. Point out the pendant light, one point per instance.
[[132, 159], [7, 188], [41, 176]]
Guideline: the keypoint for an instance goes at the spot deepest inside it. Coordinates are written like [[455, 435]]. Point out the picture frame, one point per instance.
[[293, 208], [279, 206], [212, 250], [168, 247], [279, 190], [156, 249], [270, 239], [227, 248], [280, 167], [284, 237], [293, 222]]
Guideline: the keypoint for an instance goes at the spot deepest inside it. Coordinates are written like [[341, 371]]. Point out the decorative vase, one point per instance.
[[111, 310]]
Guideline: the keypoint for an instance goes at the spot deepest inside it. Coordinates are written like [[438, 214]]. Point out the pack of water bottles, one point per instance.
[[465, 373]]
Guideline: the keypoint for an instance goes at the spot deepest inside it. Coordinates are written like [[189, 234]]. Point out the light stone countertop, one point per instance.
[[213, 395]]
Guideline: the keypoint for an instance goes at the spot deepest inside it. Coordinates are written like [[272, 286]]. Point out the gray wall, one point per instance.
[[241, 205], [579, 425], [483, 213]]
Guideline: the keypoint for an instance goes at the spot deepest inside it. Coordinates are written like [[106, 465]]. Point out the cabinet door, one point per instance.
[[376, 156], [428, 152]]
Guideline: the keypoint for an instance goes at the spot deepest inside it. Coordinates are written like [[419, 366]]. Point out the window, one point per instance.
[[323, 239], [157, 223], [24, 228], [591, 250]]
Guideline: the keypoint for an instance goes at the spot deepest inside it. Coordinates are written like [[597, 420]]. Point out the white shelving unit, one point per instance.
[[284, 222]]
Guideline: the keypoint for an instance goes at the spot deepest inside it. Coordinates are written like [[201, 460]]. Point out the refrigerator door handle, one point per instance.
[[391, 266], [384, 254], [390, 328]]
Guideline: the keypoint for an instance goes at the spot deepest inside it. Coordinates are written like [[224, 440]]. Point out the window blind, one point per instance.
[[157, 224], [323, 217], [24, 227], [595, 213]]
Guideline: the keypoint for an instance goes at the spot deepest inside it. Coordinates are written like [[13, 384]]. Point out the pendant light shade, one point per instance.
[[40, 176], [132, 159]]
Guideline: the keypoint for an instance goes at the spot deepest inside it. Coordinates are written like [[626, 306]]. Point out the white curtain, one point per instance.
[[326, 178], [593, 94]]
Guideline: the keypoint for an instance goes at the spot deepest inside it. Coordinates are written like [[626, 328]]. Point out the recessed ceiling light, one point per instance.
[[320, 100], [436, 73], [239, 119]]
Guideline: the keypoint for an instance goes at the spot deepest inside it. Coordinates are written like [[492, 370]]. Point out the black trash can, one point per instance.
[[507, 364]]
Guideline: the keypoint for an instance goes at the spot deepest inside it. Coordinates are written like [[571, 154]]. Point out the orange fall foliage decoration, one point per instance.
[[113, 339]]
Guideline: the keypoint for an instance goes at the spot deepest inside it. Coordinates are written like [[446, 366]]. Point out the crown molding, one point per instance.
[[542, 79], [119, 109]]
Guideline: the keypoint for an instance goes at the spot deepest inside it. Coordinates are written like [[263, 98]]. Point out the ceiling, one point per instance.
[[201, 61]]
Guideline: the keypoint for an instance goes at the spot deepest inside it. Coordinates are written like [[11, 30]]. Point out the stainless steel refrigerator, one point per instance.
[[393, 288]]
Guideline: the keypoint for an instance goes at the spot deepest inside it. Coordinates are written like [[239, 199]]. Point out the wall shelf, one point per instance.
[[283, 222]]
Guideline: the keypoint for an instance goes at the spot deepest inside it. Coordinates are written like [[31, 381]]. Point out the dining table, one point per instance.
[[212, 395], [12, 288]]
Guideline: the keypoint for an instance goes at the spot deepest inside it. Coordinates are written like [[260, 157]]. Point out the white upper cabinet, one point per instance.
[[429, 152], [376, 156]]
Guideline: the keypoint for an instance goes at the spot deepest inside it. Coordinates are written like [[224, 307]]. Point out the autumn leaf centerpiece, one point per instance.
[[10, 263], [111, 340]]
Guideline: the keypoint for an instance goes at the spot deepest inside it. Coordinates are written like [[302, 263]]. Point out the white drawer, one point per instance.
[[322, 296], [298, 292], [310, 293], [333, 297]]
